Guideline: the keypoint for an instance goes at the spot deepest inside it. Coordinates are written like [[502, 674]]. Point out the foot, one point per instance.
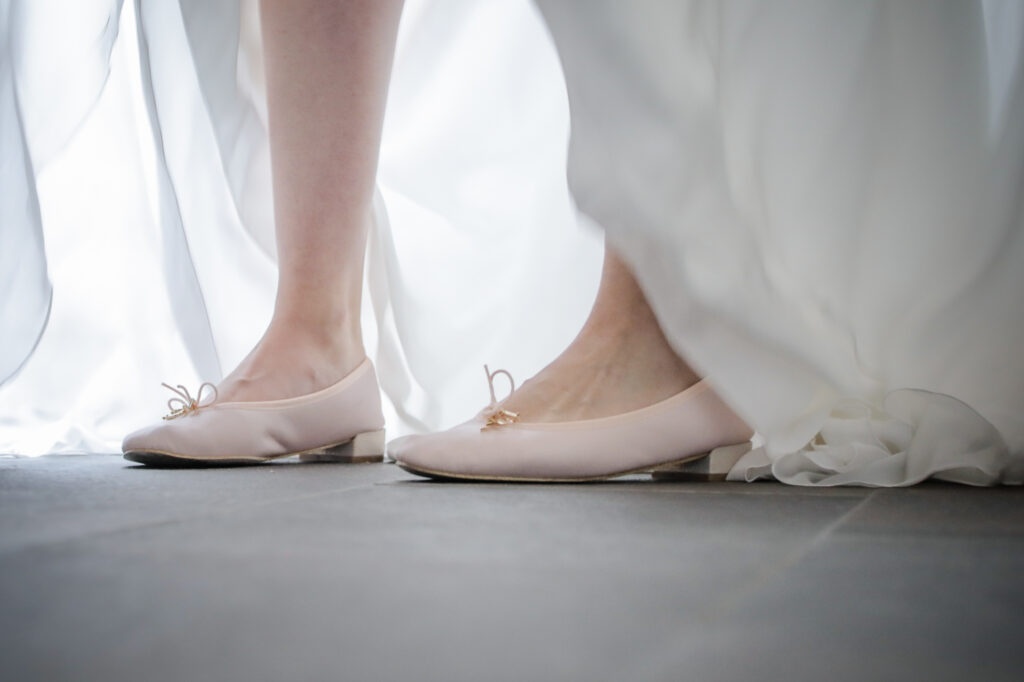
[[619, 363], [289, 364], [609, 369]]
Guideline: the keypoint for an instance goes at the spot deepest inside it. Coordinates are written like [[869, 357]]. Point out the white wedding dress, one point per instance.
[[822, 200]]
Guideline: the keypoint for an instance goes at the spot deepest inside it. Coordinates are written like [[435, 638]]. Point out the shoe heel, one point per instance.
[[714, 466], [365, 447]]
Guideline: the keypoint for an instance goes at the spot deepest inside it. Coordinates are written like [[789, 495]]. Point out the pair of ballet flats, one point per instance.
[[690, 436]]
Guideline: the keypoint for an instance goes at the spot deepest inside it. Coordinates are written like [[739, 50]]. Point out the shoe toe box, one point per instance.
[[170, 437], [398, 447], [146, 438], [159, 437], [457, 452]]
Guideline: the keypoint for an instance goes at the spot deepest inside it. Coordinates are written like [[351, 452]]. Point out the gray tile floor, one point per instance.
[[109, 571]]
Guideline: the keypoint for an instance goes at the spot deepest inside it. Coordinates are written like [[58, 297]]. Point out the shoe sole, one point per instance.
[[706, 466], [363, 448]]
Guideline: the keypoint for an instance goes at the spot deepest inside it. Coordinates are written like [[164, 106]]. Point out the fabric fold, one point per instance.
[[821, 201]]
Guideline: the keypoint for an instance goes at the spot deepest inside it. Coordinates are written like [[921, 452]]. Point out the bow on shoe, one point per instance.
[[494, 415], [186, 404]]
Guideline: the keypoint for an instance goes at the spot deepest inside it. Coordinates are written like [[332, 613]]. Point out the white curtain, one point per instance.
[[141, 157]]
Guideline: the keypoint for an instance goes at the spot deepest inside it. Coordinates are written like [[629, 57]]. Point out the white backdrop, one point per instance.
[[156, 215]]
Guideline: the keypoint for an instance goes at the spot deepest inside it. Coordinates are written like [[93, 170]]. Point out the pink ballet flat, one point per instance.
[[692, 435], [341, 423]]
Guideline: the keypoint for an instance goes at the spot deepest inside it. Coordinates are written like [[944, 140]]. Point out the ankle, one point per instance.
[[640, 353], [340, 345]]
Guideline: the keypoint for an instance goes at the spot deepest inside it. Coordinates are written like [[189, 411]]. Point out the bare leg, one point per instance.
[[328, 64], [620, 361]]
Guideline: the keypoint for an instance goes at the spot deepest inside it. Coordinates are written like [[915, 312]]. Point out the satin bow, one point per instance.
[[494, 415], [186, 404]]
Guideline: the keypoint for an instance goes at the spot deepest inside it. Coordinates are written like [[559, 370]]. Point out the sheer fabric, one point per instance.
[[822, 201], [155, 201]]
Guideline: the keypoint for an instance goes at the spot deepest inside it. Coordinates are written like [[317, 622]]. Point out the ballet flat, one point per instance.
[[693, 435], [341, 423]]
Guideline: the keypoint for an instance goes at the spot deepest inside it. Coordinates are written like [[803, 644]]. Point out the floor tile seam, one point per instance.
[[717, 610], [898, 536], [214, 513], [771, 572]]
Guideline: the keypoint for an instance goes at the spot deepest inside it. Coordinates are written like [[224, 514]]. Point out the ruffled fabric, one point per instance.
[[822, 202], [912, 436]]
